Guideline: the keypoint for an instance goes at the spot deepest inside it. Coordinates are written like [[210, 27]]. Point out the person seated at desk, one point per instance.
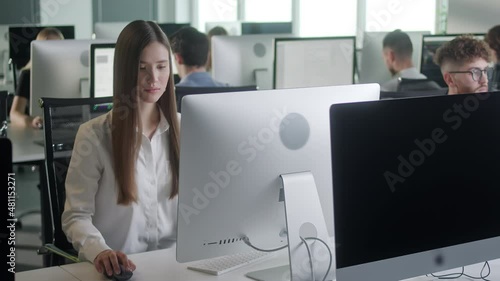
[[123, 178], [190, 48], [398, 51], [19, 112], [493, 40], [464, 63]]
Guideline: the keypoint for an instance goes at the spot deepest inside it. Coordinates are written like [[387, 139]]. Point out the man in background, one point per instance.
[[398, 51], [190, 49], [465, 65]]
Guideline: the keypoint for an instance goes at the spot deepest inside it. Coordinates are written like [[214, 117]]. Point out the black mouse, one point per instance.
[[125, 274]]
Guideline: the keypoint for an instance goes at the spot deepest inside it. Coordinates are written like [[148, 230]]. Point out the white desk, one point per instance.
[[45, 274], [161, 265], [24, 149]]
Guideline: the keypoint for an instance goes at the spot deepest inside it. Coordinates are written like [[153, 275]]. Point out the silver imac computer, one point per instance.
[[415, 191], [430, 43], [313, 62], [60, 69], [108, 30], [242, 156], [373, 68], [244, 60], [101, 69]]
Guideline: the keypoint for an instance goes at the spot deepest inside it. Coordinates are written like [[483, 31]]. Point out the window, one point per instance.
[[327, 18], [407, 15], [215, 11], [268, 10]]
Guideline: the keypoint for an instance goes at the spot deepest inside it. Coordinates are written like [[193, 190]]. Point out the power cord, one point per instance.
[[246, 240], [310, 258], [460, 274]]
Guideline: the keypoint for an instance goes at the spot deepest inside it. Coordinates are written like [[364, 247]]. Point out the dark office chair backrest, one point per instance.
[[4, 96], [6, 159], [407, 84], [62, 119], [412, 94], [181, 92]]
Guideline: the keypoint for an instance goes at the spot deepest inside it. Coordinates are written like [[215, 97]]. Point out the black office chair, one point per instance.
[[3, 113], [407, 84], [412, 94], [62, 119], [181, 92]]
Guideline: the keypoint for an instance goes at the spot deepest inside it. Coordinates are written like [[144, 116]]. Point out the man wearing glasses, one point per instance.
[[465, 65]]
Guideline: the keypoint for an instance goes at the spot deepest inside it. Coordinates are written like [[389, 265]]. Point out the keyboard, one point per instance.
[[224, 264]]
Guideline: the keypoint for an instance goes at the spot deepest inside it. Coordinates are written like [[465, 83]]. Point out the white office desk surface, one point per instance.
[[162, 265], [54, 273], [24, 149]]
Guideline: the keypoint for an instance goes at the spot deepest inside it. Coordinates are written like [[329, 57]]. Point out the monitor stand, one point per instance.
[[304, 218], [262, 79]]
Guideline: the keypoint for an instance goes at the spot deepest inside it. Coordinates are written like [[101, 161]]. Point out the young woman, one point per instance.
[[122, 182]]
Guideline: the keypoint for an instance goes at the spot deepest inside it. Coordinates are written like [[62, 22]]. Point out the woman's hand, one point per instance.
[[109, 261], [37, 122]]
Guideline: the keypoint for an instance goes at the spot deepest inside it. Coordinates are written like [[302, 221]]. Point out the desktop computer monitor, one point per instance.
[[313, 62], [60, 69], [232, 27], [109, 30], [20, 38], [101, 69], [415, 191], [171, 28], [244, 60], [430, 43], [373, 68], [266, 28], [235, 147]]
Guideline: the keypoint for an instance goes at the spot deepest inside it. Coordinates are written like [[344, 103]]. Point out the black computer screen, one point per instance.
[[266, 28], [20, 38], [412, 175]]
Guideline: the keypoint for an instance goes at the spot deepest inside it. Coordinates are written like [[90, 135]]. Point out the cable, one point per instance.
[[458, 275], [329, 251], [246, 240], [313, 278]]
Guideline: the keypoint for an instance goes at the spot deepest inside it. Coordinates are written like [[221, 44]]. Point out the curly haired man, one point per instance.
[[465, 65]]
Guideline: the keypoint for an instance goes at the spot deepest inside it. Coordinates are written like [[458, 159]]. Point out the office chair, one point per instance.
[[3, 113], [182, 91], [407, 84], [412, 94], [62, 119]]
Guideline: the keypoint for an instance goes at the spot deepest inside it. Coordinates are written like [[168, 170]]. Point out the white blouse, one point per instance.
[[92, 220]]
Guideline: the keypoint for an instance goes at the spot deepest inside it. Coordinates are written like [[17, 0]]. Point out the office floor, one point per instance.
[[27, 210]]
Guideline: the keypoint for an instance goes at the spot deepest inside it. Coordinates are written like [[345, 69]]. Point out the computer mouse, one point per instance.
[[125, 274]]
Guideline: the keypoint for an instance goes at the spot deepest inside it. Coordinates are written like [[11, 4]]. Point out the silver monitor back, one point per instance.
[[244, 60], [108, 30], [234, 147], [373, 68], [60, 69], [314, 62]]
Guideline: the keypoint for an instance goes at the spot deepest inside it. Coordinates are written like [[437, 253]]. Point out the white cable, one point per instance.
[[313, 278], [329, 251]]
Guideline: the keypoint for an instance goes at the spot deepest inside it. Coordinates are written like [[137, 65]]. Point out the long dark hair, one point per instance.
[[126, 141]]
